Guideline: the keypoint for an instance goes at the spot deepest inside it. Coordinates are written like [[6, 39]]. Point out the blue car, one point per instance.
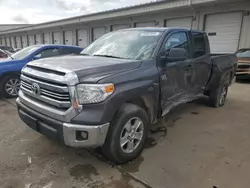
[[10, 68]]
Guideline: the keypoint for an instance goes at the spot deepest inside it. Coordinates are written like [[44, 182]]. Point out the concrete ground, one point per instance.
[[203, 148]]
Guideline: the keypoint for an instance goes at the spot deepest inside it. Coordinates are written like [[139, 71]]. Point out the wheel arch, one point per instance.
[[145, 103]]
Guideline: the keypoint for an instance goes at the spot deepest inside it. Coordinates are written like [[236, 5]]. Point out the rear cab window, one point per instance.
[[199, 44]]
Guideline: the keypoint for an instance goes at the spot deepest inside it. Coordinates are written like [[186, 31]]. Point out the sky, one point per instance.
[[38, 11]]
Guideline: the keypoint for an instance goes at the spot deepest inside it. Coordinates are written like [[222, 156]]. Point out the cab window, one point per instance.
[[48, 53], [199, 44], [177, 40]]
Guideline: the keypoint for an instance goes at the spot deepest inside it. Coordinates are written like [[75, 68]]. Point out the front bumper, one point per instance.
[[69, 134]]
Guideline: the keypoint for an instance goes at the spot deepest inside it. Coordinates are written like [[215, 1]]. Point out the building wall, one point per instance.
[[197, 13], [11, 26]]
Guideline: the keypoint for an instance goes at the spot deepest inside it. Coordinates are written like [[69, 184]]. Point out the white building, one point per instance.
[[227, 23]]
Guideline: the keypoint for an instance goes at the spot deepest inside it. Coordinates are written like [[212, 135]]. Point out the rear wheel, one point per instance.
[[10, 86], [127, 134], [218, 98]]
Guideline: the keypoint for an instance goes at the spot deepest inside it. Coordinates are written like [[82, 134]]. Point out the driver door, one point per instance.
[[175, 76]]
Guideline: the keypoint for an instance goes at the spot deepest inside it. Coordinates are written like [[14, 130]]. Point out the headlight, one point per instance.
[[93, 93]]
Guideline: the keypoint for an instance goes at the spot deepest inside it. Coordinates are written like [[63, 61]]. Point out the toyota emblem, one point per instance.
[[35, 88]]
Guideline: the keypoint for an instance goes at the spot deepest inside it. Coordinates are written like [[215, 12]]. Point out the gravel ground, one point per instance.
[[202, 148]]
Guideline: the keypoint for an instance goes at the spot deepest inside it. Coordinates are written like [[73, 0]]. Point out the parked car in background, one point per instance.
[[4, 54], [8, 48], [10, 69], [123, 82], [243, 57]]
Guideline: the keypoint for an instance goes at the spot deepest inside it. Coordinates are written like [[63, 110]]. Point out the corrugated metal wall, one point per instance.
[[85, 33]]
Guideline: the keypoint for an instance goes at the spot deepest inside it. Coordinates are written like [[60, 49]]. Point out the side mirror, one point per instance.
[[176, 54]]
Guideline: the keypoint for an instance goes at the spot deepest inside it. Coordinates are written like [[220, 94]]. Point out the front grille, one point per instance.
[[52, 94]]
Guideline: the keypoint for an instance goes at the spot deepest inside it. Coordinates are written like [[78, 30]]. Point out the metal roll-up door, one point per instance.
[[68, 37], [8, 41], [13, 42], [180, 22], [98, 32], [18, 42], [82, 38], [5, 41], [146, 24], [57, 38], [119, 27], [46, 38], [24, 41], [31, 40], [224, 31], [38, 39]]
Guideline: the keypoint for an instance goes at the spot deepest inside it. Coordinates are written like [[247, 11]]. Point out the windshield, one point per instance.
[[127, 44], [24, 52], [243, 53]]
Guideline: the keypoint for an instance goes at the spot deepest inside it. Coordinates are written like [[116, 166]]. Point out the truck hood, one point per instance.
[[87, 68]]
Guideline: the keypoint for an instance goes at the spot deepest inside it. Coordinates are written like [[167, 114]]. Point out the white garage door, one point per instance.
[[98, 32], [8, 41], [24, 41], [18, 42], [31, 40], [5, 41], [145, 24], [38, 39], [68, 36], [119, 27], [57, 38], [82, 38], [13, 43], [180, 22], [224, 31], [47, 38]]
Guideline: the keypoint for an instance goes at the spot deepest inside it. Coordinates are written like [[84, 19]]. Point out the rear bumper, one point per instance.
[[243, 76], [69, 134]]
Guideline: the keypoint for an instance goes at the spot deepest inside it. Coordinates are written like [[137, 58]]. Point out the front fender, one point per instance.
[[141, 83]]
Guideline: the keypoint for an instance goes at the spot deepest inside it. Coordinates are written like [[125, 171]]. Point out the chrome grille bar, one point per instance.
[[52, 94]]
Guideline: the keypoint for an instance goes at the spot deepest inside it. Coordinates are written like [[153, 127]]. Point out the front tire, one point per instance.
[[10, 86], [127, 134]]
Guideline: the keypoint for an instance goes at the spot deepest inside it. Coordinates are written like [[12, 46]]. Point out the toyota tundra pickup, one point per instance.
[[122, 83]]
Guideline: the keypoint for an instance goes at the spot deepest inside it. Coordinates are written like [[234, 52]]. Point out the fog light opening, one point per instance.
[[81, 135]]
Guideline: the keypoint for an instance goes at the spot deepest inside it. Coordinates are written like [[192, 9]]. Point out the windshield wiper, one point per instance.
[[108, 56]]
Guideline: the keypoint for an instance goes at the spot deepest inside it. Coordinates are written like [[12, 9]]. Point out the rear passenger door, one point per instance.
[[201, 61]]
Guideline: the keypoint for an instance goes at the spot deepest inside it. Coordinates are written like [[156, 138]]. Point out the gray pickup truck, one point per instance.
[[121, 84]]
